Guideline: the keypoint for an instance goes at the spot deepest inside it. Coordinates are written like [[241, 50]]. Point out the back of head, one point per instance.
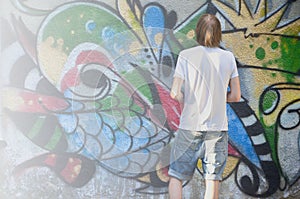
[[208, 31]]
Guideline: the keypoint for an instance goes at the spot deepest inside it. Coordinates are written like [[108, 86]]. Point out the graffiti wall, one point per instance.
[[86, 111]]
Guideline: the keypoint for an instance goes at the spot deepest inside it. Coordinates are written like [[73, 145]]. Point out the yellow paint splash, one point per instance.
[[11, 100], [245, 49], [191, 34], [135, 48], [259, 30], [130, 18], [52, 58], [158, 39]]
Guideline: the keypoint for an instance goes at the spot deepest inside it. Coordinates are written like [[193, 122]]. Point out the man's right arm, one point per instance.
[[176, 89], [234, 95]]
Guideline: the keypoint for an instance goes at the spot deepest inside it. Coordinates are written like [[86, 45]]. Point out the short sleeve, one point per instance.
[[234, 70], [179, 70]]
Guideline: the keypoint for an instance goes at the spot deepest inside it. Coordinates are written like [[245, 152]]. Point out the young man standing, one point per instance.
[[205, 71]]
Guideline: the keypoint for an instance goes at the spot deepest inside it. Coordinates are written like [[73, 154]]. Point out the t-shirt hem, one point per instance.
[[233, 76]]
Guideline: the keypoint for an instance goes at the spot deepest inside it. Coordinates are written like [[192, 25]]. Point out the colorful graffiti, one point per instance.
[[91, 90]]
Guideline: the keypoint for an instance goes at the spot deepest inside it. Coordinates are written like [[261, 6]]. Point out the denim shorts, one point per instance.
[[190, 146]]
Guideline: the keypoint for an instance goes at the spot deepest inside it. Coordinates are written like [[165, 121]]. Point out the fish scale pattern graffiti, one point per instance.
[[90, 89]]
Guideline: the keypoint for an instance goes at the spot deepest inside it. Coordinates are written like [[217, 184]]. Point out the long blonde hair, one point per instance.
[[208, 31]]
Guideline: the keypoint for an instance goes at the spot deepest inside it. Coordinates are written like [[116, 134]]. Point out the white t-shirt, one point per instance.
[[206, 73]]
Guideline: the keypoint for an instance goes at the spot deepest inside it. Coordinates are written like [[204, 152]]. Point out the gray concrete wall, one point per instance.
[[85, 106]]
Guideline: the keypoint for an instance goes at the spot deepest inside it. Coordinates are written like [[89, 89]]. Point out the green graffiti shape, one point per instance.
[[260, 53]]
